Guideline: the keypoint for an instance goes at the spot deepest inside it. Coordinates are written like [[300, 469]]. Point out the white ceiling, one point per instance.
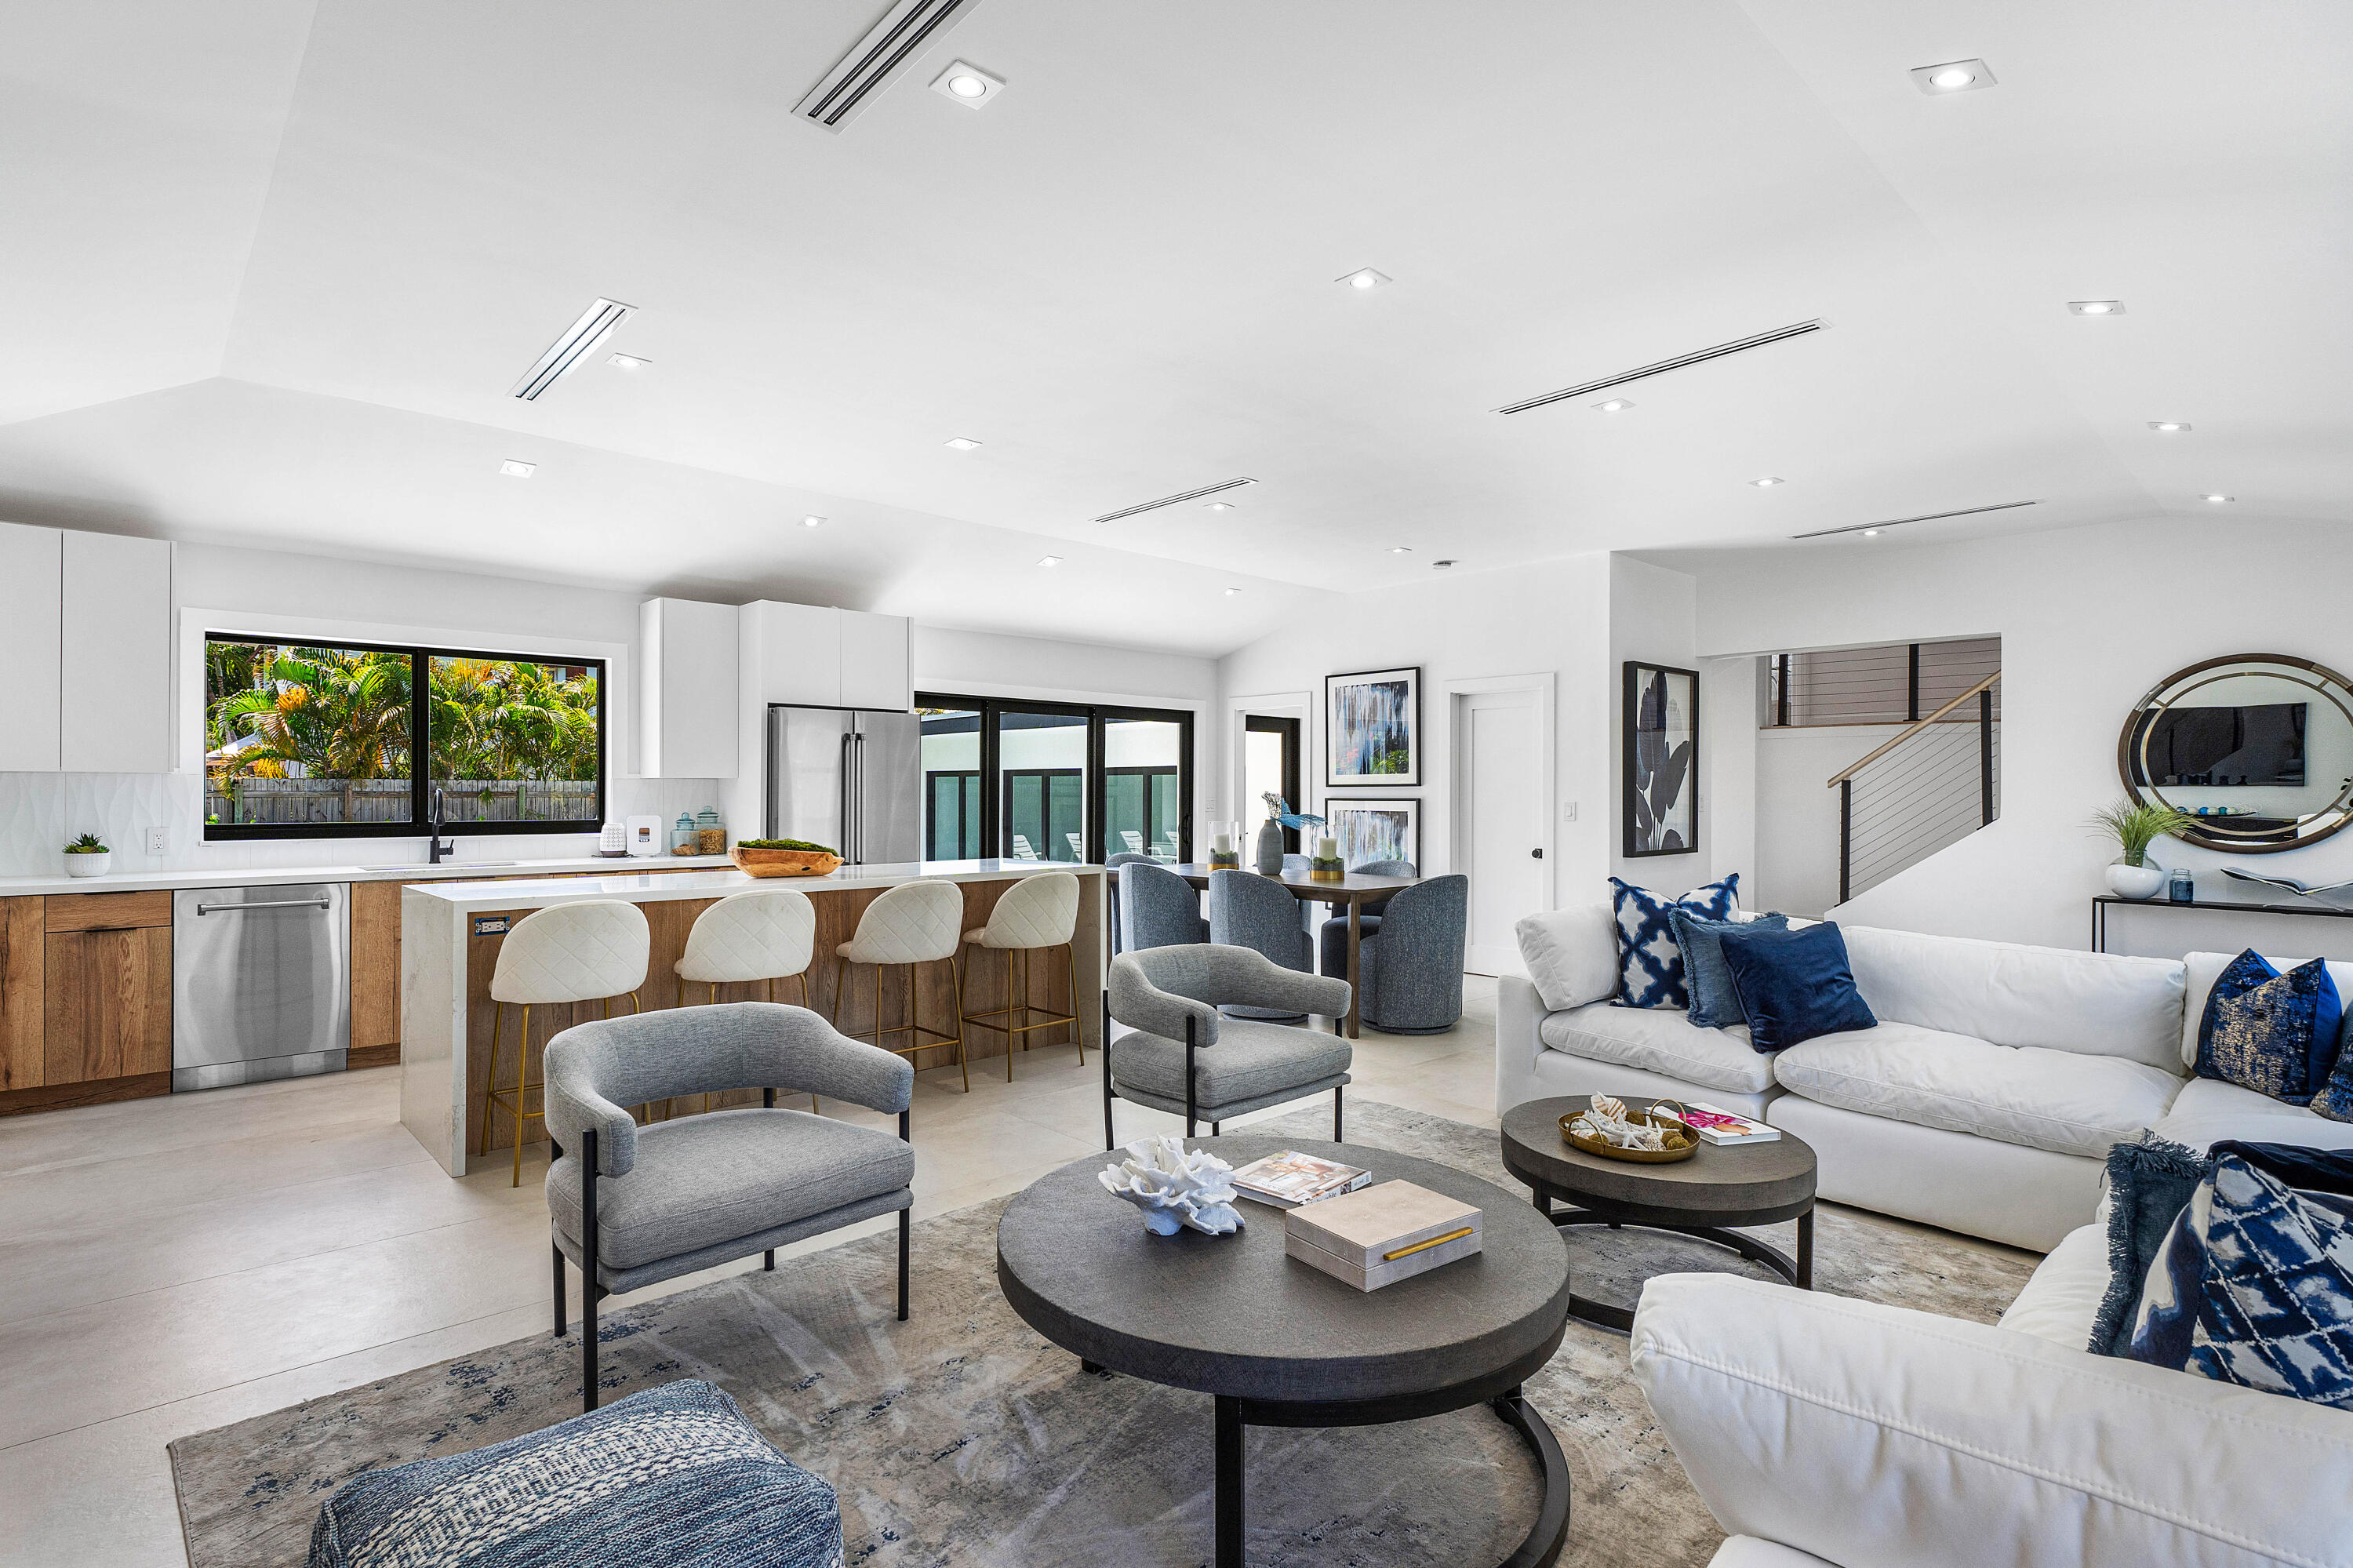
[[277, 296]]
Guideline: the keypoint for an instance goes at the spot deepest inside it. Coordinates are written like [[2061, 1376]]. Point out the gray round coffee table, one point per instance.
[[1720, 1186], [1280, 1344]]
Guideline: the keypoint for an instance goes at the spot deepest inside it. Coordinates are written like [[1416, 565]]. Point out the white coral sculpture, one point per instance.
[[1606, 1120], [1175, 1187]]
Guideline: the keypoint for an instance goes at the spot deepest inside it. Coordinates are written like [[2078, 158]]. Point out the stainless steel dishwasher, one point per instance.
[[260, 983]]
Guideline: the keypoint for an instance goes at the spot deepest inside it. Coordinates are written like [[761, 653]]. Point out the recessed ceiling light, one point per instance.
[[812, 522], [1769, 482], [2218, 499], [1871, 533], [963, 444], [628, 362], [1614, 406], [1440, 566], [1049, 560], [1363, 278], [1953, 76], [1220, 507], [515, 468], [2168, 426], [967, 84], [1231, 592], [1400, 549], [2095, 307]]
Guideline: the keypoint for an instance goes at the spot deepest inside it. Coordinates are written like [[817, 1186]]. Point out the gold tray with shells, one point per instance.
[[1682, 1141]]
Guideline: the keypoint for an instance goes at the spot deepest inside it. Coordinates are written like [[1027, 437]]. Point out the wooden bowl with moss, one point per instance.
[[783, 857]]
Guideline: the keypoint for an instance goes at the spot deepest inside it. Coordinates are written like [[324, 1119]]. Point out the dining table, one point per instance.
[[1352, 892]]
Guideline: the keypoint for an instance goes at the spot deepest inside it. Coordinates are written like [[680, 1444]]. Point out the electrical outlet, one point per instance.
[[1568, 812], [159, 840]]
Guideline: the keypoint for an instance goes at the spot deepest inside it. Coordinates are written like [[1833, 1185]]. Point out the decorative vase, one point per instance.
[[87, 864], [2135, 881], [1270, 848]]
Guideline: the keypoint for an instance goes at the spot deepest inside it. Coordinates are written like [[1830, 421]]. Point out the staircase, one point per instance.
[[1934, 784]]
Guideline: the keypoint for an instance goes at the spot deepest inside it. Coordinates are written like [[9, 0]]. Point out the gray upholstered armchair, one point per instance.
[[1247, 910], [632, 1205], [1157, 909], [1409, 969], [1187, 1059]]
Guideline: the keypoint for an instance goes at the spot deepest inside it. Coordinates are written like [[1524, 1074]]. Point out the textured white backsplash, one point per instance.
[[41, 813]]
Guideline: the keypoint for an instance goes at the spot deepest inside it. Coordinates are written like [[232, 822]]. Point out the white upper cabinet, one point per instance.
[[31, 646], [687, 681], [874, 661], [115, 686], [830, 658]]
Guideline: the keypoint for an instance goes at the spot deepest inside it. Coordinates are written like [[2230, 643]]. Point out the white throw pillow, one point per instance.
[[1571, 954]]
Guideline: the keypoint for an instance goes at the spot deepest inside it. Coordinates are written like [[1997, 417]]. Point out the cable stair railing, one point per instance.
[[1933, 785]]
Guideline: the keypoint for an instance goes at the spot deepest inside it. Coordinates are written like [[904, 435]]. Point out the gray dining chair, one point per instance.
[[1331, 941], [1157, 909], [1410, 971], [1111, 886], [633, 1205], [1247, 910], [1184, 1057]]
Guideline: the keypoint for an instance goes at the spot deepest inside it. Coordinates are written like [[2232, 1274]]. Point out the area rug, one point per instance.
[[963, 1437]]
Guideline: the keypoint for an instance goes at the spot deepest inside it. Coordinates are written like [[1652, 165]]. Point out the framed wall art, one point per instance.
[[1660, 744], [1375, 827], [1372, 727]]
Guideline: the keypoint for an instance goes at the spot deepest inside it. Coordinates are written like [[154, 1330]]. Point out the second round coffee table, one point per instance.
[[1721, 1186]]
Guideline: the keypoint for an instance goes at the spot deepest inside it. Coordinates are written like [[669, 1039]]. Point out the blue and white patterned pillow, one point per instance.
[[2255, 1286], [669, 1475], [1649, 964]]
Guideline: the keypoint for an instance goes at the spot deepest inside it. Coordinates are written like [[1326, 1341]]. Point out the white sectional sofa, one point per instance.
[[1985, 1101]]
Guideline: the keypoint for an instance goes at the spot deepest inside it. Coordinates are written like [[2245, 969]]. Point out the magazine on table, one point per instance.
[[1290, 1178], [1716, 1125]]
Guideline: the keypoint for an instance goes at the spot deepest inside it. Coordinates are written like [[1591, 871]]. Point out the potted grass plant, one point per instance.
[[2134, 829], [86, 856]]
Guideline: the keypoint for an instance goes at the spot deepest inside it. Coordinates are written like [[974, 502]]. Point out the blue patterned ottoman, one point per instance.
[[667, 1477]]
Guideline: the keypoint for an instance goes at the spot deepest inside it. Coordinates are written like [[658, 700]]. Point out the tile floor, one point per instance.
[[168, 1266]]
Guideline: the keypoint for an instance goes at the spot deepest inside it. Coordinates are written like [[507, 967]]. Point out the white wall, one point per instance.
[[982, 664], [2090, 619], [1795, 815]]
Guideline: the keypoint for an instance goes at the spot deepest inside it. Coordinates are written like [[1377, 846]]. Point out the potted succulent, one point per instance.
[[87, 857], [2134, 829]]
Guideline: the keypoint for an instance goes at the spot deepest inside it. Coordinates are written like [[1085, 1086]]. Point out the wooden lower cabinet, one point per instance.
[[109, 1004], [375, 974], [24, 937]]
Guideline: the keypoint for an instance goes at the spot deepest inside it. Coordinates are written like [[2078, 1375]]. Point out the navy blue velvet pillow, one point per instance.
[[1714, 1003], [2275, 1034], [1794, 985]]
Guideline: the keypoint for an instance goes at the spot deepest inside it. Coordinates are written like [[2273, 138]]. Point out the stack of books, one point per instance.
[[1290, 1178], [1716, 1126]]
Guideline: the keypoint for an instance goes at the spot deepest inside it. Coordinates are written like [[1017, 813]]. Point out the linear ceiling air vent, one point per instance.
[[1174, 500], [1680, 362], [875, 58], [1924, 517], [579, 341]]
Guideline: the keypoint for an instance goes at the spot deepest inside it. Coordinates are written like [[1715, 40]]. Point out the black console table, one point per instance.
[[2210, 905]]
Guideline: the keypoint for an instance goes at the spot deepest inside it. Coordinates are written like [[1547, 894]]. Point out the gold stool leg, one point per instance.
[[489, 1082], [1012, 959], [1071, 974], [961, 1064], [523, 1074]]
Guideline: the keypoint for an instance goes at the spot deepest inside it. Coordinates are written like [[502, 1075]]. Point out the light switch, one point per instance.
[[1568, 812]]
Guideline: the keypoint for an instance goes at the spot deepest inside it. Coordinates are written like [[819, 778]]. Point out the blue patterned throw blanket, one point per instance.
[[668, 1478]]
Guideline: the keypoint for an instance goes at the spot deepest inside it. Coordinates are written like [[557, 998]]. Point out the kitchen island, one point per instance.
[[450, 932]]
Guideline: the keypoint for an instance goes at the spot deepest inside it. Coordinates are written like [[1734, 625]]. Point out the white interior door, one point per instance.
[[1499, 736]]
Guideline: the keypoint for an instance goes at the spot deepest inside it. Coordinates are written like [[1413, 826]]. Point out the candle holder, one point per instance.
[[1332, 870], [1225, 860]]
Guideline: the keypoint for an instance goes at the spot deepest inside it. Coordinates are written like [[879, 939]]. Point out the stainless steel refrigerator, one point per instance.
[[849, 779]]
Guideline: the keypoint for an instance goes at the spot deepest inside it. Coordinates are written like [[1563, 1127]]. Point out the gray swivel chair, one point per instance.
[[1247, 910], [1331, 941], [1409, 972], [1187, 1059], [1111, 886], [632, 1205], [1157, 909]]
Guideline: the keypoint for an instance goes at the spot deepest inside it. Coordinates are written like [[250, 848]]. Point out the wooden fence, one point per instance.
[[290, 800]]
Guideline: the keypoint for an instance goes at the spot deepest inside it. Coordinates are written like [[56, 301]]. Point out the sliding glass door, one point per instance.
[[1054, 781]]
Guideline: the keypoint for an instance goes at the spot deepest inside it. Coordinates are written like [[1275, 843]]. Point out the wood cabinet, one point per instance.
[[107, 1004], [24, 936], [375, 974]]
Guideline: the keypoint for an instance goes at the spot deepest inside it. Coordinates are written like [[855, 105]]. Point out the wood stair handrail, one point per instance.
[[1915, 728]]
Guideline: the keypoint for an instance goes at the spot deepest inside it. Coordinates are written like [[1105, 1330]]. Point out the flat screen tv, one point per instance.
[[2225, 747]]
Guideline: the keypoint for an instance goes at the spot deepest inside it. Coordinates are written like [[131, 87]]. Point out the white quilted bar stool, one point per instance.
[[590, 951], [768, 934], [1036, 914], [913, 923]]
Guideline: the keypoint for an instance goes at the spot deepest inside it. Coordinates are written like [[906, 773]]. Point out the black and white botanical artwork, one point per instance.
[[1661, 753]]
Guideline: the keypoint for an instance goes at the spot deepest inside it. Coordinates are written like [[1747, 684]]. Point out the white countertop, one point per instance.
[[518, 894], [277, 875]]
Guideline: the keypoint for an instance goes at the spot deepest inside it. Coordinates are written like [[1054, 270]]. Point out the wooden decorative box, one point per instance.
[[1379, 1235]]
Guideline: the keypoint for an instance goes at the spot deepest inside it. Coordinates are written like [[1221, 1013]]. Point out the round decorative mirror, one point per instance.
[[2257, 746]]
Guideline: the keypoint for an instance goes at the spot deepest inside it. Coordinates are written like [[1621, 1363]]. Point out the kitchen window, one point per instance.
[[307, 740], [1066, 781]]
